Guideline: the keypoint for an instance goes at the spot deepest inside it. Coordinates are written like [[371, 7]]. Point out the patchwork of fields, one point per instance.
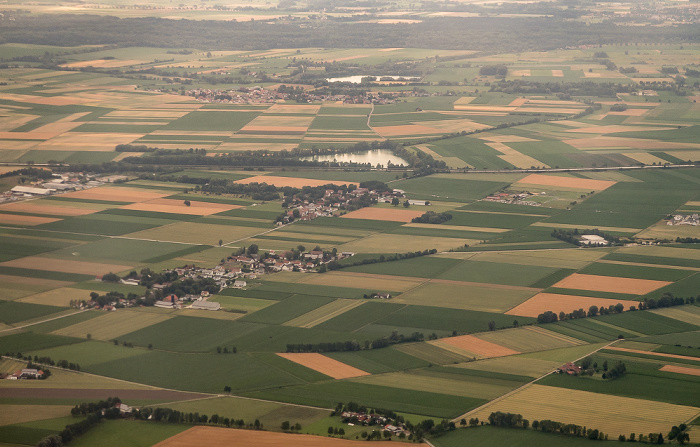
[[449, 331]]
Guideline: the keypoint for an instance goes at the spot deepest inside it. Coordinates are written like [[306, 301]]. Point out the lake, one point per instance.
[[381, 156], [357, 79]]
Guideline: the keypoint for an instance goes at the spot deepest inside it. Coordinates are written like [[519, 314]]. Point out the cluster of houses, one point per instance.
[[570, 368], [334, 201], [684, 219], [514, 198], [243, 95], [352, 418], [26, 373]]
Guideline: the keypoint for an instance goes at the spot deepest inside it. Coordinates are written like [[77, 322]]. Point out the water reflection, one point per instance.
[[373, 157]]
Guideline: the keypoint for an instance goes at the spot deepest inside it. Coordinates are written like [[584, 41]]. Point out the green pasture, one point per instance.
[[464, 296], [12, 312], [236, 303], [647, 323], [524, 340], [355, 319], [635, 271], [432, 354], [690, 338], [377, 361], [430, 318], [451, 190], [224, 121], [115, 433], [488, 435], [497, 273], [19, 247], [113, 250], [410, 401], [421, 267], [287, 309], [29, 341]]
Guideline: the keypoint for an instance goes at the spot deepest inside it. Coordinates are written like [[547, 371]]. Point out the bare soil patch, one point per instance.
[[115, 194], [16, 219], [291, 181], [612, 284], [64, 265], [179, 207], [227, 437], [478, 346], [324, 365], [386, 214], [556, 303], [681, 370], [567, 182]]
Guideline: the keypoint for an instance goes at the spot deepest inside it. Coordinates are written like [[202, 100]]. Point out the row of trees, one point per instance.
[[431, 217], [574, 236], [336, 265], [354, 345]]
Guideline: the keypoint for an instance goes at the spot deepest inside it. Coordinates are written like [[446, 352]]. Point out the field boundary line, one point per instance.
[[522, 387], [254, 235], [43, 321], [642, 264]]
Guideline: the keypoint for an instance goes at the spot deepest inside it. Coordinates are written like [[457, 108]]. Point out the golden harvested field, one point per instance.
[[406, 129], [179, 207], [610, 284], [514, 157], [566, 182], [43, 208], [16, 219], [117, 194], [386, 214], [104, 63], [23, 280], [57, 297], [64, 265], [555, 302], [477, 346], [73, 380], [574, 226], [613, 415], [17, 414], [293, 182], [324, 365], [88, 141], [681, 370], [111, 325], [525, 340], [227, 437]]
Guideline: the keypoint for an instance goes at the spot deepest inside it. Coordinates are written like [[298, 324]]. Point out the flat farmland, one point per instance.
[[293, 182], [610, 284], [464, 296], [528, 339], [197, 233], [497, 273], [614, 415], [121, 250], [324, 313], [431, 352], [474, 345], [177, 207], [57, 297], [17, 414], [324, 365], [112, 325], [422, 380], [65, 266], [220, 437], [555, 302], [364, 281], [524, 366], [117, 194], [396, 243], [385, 214]]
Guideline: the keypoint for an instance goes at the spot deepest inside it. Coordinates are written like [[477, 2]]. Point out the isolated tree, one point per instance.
[[221, 242], [187, 203], [395, 201], [406, 204], [492, 325]]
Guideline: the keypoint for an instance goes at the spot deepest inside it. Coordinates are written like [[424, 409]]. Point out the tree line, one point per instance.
[[353, 345], [336, 265]]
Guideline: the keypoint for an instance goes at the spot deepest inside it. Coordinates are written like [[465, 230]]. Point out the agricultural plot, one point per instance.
[[614, 415], [528, 339], [463, 295], [324, 365], [324, 313], [519, 364], [504, 274], [112, 325], [476, 346], [554, 302]]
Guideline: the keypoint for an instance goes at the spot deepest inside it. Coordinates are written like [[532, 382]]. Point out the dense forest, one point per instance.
[[483, 33]]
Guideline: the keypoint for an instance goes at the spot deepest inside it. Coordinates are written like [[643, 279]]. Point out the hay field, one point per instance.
[[613, 415], [385, 214], [65, 266], [324, 313], [681, 370], [293, 182], [18, 414], [57, 297], [472, 344], [324, 365], [226, 437], [117, 194], [29, 221], [112, 324], [178, 207], [691, 315], [566, 182], [43, 207], [657, 354], [569, 259], [555, 302], [526, 340], [610, 284]]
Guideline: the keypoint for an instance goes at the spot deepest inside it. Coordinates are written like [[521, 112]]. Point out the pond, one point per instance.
[[373, 157], [358, 79]]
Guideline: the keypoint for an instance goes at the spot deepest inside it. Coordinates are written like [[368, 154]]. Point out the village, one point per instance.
[[353, 418], [684, 219]]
